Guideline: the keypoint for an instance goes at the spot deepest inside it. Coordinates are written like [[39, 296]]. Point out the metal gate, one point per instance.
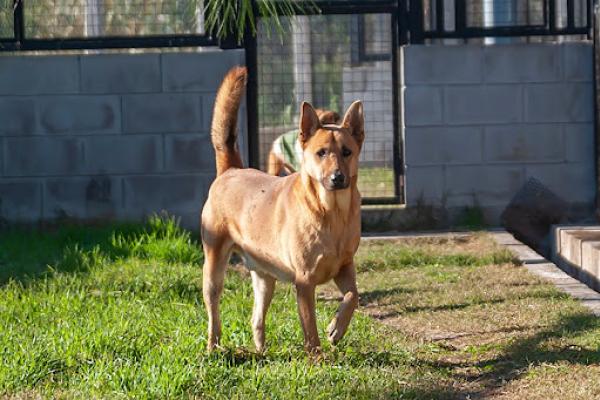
[[330, 60]]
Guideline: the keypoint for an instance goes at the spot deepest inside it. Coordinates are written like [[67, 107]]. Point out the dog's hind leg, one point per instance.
[[346, 282], [263, 286], [215, 263]]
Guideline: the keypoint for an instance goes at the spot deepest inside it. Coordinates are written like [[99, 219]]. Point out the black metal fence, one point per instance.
[[467, 19], [95, 24], [331, 60]]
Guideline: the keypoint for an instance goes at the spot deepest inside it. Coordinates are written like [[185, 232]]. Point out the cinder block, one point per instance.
[[485, 185], [123, 154], [560, 102], [120, 73], [572, 181], [208, 105], [17, 116], [424, 185], [527, 62], [443, 145], [162, 113], [198, 72], [572, 241], [41, 156], [82, 197], [189, 153], [177, 194], [579, 143], [578, 61], [423, 105], [470, 104], [590, 258], [80, 114], [20, 201], [524, 143], [39, 75], [442, 64]]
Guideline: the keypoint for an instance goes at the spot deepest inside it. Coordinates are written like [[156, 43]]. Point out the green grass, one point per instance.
[[376, 182], [116, 312]]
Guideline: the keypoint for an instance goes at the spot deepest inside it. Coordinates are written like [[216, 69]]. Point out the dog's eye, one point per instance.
[[321, 153], [346, 152]]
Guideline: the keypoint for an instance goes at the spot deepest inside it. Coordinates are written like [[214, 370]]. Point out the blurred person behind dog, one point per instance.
[[285, 156]]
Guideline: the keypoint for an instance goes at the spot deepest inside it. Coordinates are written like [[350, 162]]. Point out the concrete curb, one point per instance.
[[547, 270]]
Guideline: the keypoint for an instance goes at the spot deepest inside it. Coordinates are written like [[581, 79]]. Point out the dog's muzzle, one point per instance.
[[336, 181]]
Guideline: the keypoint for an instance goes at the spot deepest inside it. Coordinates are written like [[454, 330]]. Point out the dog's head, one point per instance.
[[327, 116], [331, 151]]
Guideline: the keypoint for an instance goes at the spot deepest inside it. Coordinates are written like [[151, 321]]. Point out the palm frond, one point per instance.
[[226, 18]]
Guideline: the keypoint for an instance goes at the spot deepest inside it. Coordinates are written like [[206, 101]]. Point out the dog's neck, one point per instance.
[[330, 204]]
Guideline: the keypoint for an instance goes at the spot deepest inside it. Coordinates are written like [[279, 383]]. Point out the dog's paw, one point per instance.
[[315, 353], [212, 347], [333, 333]]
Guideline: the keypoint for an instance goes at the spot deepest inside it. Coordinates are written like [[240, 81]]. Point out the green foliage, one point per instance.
[[233, 17], [472, 218], [27, 254], [162, 240]]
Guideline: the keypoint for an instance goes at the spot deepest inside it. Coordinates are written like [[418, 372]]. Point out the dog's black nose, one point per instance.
[[337, 178]]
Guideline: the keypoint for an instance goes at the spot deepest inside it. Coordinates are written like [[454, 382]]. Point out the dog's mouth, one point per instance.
[[333, 186]]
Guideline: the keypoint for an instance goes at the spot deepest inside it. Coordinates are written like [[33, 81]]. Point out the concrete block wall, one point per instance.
[[480, 120], [108, 136]]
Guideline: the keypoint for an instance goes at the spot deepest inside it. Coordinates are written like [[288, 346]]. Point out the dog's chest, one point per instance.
[[321, 257]]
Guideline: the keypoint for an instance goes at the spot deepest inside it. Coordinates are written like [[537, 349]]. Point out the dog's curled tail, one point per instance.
[[224, 123]]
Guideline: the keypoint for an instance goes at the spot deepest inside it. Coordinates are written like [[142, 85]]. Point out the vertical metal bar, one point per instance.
[[402, 17], [596, 60], [360, 37], [397, 143], [551, 15], [589, 23], [18, 21], [460, 16], [250, 44], [570, 14], [439, 16], [416, 21]]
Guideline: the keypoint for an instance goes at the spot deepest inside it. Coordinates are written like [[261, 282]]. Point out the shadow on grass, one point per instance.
[[523, 353], [233, 357], [28, 254]]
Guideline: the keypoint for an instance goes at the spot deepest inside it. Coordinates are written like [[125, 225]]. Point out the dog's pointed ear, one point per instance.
[[354, 120], [309, 122]]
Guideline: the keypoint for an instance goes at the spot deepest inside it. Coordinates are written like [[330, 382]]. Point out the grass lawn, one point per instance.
[[116, 312], [376, 182]]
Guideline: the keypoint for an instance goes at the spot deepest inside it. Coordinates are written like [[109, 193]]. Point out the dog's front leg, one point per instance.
[[346, 282], [305, 294]]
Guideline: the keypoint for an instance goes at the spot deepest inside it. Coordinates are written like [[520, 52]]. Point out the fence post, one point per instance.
[[416, 21], [596, 57], [250, 46], [18, 22]]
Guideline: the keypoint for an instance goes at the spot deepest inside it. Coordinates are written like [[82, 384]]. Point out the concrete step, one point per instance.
[[576, 249]]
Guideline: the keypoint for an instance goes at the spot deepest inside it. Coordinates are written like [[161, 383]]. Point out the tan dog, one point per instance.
[[285, 156], [303, 228]]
